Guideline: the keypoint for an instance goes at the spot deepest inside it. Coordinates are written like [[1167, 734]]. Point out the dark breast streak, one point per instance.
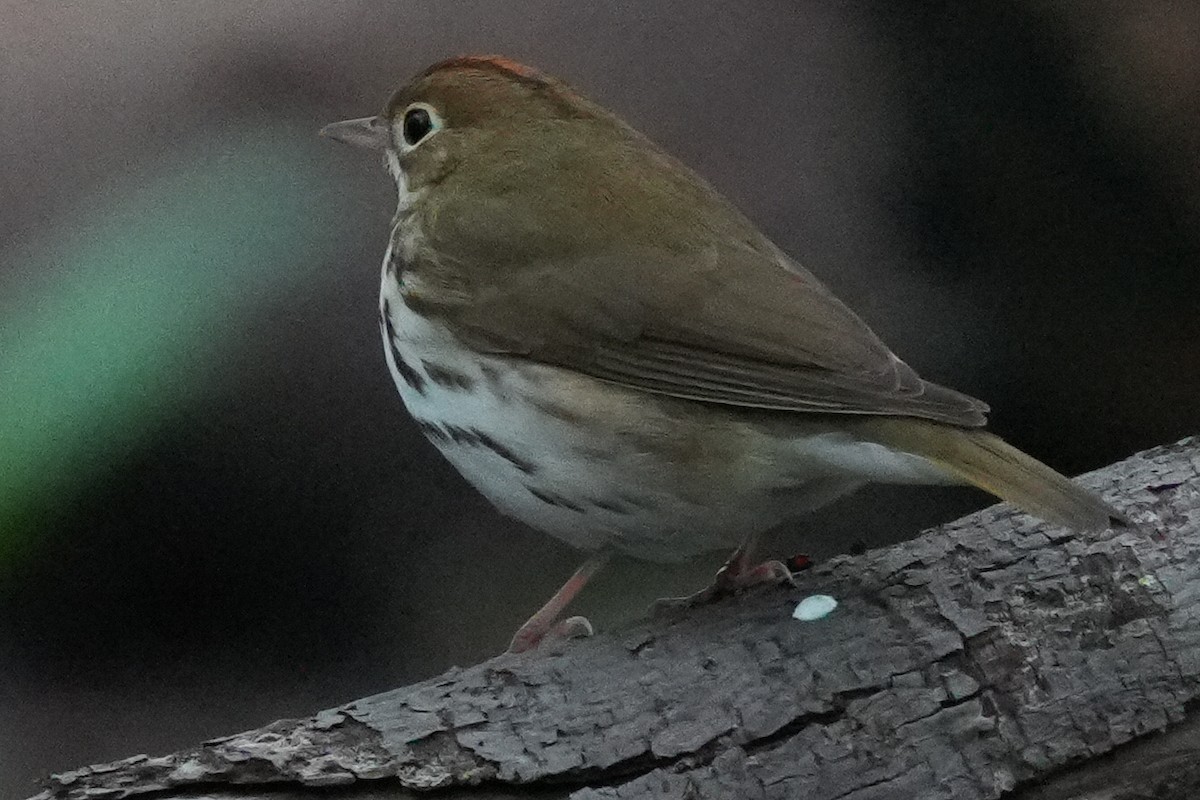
[[406, 371], [473, 437]]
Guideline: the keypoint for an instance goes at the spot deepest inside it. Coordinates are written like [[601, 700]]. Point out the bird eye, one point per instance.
[[418, 123]]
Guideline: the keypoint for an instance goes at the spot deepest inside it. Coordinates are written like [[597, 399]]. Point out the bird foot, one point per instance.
[[732, 578], [544, 626], [532, 634]]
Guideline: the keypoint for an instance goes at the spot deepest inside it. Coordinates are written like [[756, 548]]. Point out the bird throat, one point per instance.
[[405, 198], [406, 231]]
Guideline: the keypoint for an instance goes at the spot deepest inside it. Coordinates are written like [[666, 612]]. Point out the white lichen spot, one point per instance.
[[814, 607]]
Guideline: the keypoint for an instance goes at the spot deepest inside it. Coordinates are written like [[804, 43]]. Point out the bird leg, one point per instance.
[[544, 623], [738, 573]]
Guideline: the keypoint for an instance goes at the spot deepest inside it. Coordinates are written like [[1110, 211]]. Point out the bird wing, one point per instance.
[[736, 325]]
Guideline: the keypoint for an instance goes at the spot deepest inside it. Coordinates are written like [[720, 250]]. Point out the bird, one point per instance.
[[612, 353]]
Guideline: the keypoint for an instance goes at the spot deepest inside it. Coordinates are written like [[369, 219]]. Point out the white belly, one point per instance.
[[596, 465], [507, 427]]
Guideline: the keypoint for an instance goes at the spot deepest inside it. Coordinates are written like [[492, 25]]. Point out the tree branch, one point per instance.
[[991, 656]]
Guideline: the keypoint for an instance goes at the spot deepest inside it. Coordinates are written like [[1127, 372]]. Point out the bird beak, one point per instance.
[[368, 132]]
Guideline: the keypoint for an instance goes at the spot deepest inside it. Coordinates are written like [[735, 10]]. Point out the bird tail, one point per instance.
[[982, 459]]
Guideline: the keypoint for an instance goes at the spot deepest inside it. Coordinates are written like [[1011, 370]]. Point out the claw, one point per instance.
[[665, 606], [573, 628]]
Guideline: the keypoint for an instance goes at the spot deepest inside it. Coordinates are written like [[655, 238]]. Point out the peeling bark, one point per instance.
[[993, 656]]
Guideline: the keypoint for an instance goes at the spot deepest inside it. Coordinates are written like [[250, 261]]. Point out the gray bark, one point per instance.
[[993, 656]]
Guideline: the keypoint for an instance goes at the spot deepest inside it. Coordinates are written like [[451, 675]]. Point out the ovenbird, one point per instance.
[[612, 353]]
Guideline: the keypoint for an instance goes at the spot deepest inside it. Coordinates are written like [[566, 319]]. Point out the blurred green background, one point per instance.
[[213, 509]]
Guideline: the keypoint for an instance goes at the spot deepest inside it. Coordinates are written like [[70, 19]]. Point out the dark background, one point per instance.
[[213, 509]]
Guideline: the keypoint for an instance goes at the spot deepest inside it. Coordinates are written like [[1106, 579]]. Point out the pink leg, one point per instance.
[[545, 622]]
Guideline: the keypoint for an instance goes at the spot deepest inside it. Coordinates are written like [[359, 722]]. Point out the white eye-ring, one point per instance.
[[420, 121]]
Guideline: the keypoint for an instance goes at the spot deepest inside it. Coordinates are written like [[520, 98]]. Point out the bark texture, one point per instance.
[[993, 656]]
